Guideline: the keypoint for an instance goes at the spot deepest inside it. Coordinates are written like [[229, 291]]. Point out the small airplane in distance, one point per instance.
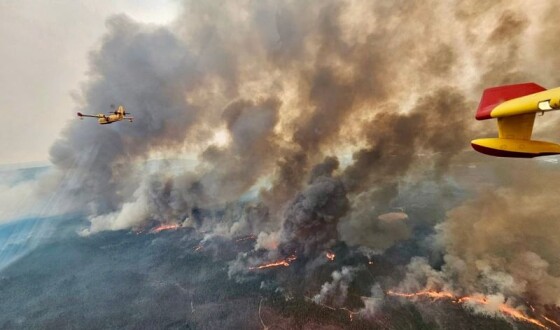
[[111, 117], [515, 108]]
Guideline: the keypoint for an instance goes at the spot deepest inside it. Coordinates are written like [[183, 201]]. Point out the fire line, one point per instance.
[[282, 262], [503, 308]]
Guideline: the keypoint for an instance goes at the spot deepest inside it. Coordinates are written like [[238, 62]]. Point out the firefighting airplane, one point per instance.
[[111, 117], [515, 107]]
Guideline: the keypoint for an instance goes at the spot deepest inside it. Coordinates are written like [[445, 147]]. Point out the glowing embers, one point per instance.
[[163, 227], [504, 309], [426, 293], [279, 263], [330, 255]]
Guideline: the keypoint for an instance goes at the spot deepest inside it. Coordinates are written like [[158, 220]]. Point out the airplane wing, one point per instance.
[[515, 108], [82, 115], [520, 99], [92, 116], [510, 100]]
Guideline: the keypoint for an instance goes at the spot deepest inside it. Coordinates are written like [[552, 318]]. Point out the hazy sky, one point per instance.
[[44, 47]]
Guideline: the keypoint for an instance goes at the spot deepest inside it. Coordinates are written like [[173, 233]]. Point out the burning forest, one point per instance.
[[330, 143]]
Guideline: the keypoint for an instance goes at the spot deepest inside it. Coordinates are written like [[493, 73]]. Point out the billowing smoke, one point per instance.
[[311, 219], [497, 242], [312, 124], [335, 293], [149, 71]]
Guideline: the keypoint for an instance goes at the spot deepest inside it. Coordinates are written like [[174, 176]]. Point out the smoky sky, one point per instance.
[[328, 112]]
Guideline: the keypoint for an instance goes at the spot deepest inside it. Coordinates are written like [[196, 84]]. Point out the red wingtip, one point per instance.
[[492, 97]]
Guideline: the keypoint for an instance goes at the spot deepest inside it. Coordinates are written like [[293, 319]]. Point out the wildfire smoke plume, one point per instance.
[[309, 98]]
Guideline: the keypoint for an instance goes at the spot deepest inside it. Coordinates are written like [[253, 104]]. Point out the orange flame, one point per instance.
[[478, 300], [163, 227], [330, 255], [350, 313], [517, 314], [503, 308], [551, 321], [282, 262], [426, 293]]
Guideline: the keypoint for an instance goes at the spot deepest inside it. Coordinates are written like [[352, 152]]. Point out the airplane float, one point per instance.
[[111, 117], [515, 108]]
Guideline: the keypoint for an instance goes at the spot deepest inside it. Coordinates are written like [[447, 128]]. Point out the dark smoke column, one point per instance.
[[311, 219]]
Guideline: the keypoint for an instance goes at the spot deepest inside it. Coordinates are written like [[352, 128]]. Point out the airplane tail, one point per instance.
[[494, 96], [122, 111]]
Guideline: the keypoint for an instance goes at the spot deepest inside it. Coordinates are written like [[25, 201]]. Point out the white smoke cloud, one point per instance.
[[335, 292]]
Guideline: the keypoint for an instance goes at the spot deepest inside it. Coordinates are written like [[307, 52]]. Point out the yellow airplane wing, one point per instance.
[[538, 102], [515, 107], [81, 115]]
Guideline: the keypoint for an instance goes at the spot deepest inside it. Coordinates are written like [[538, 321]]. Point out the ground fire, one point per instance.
[[163, 227], [282, 262], [504, 309]]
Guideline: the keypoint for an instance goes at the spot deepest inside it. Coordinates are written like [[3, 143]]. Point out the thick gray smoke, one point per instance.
[[309, 121], [310, 225], [149, 71], [494, 246]]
